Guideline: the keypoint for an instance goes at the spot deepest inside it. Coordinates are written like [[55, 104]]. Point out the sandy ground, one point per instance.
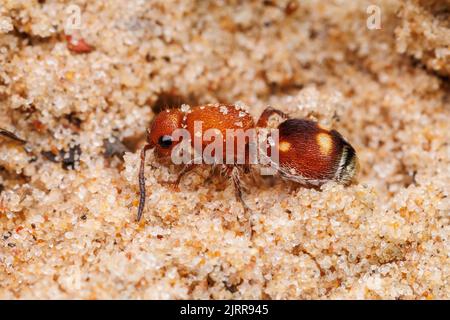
[[68, 200]]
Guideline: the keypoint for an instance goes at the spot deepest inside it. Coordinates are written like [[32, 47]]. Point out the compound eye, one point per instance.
[[165, 141]]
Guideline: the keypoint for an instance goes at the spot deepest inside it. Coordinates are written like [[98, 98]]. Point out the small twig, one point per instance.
[[11, 136]]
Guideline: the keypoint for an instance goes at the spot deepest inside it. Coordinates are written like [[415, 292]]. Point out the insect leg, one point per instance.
[[235, 176], [267, 113], [187, 168]]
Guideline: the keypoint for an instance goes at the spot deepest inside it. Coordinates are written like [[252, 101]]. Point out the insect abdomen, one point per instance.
[[311, 154]]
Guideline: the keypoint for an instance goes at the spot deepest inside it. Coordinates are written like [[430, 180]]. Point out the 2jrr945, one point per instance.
[[242, 309]]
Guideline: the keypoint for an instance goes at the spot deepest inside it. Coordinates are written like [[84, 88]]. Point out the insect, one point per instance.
[[308, 153]]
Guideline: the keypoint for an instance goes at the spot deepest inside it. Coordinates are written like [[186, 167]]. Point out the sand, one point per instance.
[[69, 198]]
